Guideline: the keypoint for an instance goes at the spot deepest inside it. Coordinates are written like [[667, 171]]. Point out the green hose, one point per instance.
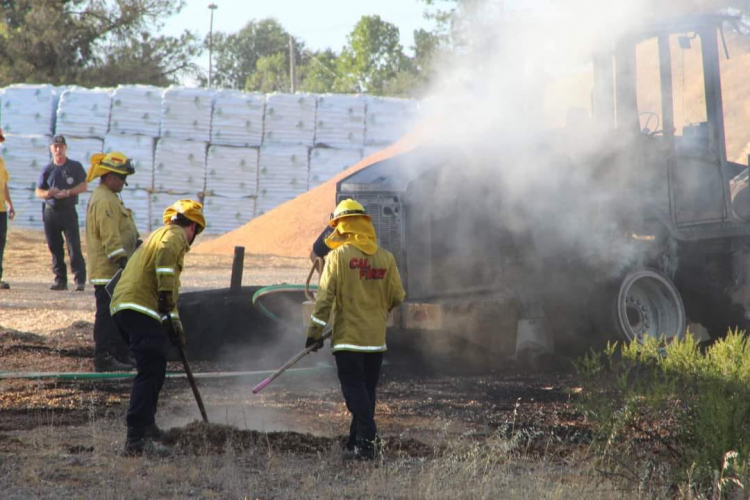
[[126, 375], [276, 289]]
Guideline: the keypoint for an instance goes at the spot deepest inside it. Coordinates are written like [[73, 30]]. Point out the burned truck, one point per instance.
[[640, 235]]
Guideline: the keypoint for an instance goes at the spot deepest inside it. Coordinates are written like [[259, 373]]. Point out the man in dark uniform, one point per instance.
[[59, 185]]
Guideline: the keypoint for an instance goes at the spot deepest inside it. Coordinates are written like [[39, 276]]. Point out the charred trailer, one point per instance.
[[485, 269]]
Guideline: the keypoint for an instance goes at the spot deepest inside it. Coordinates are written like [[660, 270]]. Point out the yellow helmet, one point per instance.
[[348, 208], [192, 210], [112, 162]]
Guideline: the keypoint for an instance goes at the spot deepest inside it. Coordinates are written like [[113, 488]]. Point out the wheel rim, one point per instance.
[[648, 304]]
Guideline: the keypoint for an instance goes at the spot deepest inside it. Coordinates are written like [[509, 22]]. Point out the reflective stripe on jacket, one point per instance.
[[110, 234], [361, 289], [155, 267]]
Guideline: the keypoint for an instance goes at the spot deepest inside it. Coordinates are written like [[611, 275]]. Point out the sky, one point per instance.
[[320, 23]]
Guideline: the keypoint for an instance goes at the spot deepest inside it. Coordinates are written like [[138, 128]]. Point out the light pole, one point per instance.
[[212, 7]]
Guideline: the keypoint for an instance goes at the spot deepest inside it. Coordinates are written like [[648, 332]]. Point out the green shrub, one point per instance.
[[693, 405]]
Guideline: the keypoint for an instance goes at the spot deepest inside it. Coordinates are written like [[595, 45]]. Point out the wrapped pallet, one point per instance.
[[29, 109], [136, 109], [28, 208], [139, 202], [186, 114], [231, 172], [327, 162], [84, 112], [237, 118], [388, 119], [140, 150], [180, 166], [282, 175], [25, 157], [289, 119], [226, 214], [231, 186], [340, 121], [82, 148]]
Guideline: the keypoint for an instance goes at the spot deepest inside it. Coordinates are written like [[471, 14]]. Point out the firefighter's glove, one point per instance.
[[122, 262], [166, 303], [176, 334], [317, 343]]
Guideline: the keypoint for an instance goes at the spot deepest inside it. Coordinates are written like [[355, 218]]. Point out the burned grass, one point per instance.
[[199, 438]]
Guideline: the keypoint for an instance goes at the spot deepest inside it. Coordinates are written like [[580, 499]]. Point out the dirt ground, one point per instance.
[[448, 433]]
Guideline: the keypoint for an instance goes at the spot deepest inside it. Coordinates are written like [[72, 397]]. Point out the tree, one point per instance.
[[236, 55], [372, 56], [270, 75], [85, 41], [317, 72]]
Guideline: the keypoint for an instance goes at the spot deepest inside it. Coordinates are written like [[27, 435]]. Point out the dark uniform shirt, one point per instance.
[[66, 176], [319, 247]]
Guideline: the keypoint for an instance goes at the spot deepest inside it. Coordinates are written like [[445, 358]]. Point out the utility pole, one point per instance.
[[292, 66], [212, 7]]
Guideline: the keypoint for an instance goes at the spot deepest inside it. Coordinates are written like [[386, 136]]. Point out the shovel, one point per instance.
[[190, 377]]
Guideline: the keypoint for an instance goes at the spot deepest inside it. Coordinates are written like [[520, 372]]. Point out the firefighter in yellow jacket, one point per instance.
[[144, 308], [111, 238], [361, 284]]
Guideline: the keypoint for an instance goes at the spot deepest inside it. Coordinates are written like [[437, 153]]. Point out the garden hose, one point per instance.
[[132, 374], [269, 290]]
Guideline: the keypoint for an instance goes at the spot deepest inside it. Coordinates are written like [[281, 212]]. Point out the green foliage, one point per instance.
[[695, 404], [236, 55], [372, 57], [91, 42], [270, 75], [317, 72]]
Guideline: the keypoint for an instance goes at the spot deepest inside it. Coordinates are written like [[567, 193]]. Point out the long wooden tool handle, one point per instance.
[[289, 364], [193, 385]]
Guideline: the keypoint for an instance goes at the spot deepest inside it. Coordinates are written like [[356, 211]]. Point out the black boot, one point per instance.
[[107, 363]]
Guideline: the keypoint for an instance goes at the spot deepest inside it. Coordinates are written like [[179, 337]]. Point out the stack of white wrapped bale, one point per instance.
[[28, 208], [388, 119], [231, 172], [289, 119], [83, 112], [136, 109], [83, 203], [140, 150], [237, 118], [231, 186], [82, 148], [25, 157], [186, 114], [180, 166], [327, 162], [138, 201], [340, 121], [29, 109], [282, 176]]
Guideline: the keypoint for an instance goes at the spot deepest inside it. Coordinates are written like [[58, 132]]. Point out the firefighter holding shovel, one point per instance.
[[144, 308], [360, 284]]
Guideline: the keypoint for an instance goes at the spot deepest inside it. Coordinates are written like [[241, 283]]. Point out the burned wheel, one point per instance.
[[649, 304]]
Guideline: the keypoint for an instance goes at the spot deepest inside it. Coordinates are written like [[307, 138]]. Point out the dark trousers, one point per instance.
[[107, 338], [57, 223], [3, 237], [148, 345], [359, 373]]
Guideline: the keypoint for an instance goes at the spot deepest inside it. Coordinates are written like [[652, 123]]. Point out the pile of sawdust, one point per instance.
[[290, 229]]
